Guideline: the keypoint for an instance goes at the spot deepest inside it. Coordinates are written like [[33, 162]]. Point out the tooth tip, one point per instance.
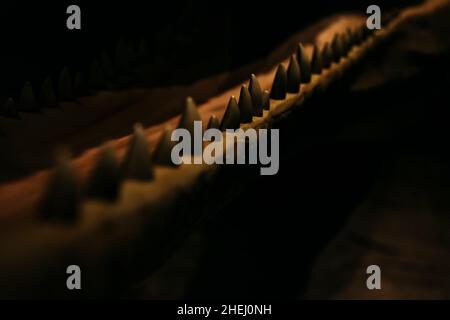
[[60, 201], [266, 100], [231, 117], [304, 63], [162, 153], [293, 76], [9, 109], [326, 56], [316, 66], [279, 85], [138, 162], [189, 115], [256, 95], [245, 105], [213, 123], [27, 99], [138, 127], [104, 179]]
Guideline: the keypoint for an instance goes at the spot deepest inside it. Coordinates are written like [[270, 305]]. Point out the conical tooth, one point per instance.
[[232, 116], [189, 115], [342, 44], [105, 176], [162, 154], [304, 63], [256, 94], [350, 39], [213, 123], [326, 56], [47, 97], [61, 199], [106, 65], [27, 101], [279, 85], [359, 35], [335, 49], [96, 78], [65, 86], [9, 109], [245, 105], [316, 63], [266, 100], [79, 88], [138, 162], [293, 76]]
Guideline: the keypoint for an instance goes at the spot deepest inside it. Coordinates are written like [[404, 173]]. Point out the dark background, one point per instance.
[[206, 36]]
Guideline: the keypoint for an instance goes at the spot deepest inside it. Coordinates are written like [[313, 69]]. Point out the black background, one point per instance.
[[219, 35]]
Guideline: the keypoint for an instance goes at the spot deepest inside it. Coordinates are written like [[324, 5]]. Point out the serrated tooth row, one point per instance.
[[61, 201], [106, 175], [99, 74]]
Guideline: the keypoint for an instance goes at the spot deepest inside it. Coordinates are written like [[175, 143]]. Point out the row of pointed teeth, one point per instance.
[[61, 200], [101, 72]]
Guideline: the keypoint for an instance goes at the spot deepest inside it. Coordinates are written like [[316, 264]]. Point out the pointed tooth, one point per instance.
[[316, 63], [345, 43], [79, 88], [65, 86], [293, 76], [27, 102], [245, 105], [232, 116], [335, 49], [213, 123], [304, 63], [163, 151], [61, 199], [9, 109], [47, 97], [350, 39], [138, 162], [326, 56], [104, 180], [359, 36], [189, 115], [266, 100], [279, 85], [342, 44], [256, 93], [96, 77]]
